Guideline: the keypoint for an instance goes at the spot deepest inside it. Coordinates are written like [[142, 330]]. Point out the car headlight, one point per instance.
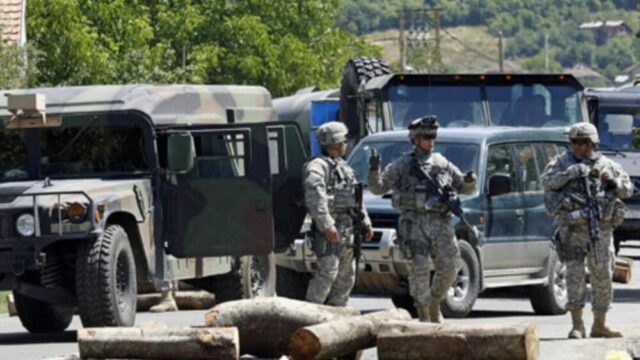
[[26, 225], [77, 212]]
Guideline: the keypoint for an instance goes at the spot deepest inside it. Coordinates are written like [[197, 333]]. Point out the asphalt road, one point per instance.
[[502, 308]]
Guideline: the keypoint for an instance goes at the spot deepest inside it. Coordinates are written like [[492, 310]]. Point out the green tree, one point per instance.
[[18, 66], [282, 45]]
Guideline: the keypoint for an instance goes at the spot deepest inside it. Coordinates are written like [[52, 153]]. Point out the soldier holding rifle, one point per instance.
[[583, 189], [425, 186]]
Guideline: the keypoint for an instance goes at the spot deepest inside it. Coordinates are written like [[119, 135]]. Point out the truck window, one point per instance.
[[499, 161], [528, 173], [616, 129], [219, 155], [13, 156]]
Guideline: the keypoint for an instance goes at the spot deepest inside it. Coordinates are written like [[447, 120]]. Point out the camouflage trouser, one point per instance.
[[576, 248], [336, 273], [427, 235]]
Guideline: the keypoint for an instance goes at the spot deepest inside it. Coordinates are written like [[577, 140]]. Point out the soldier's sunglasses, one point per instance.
[[580, 141], [426, 136]]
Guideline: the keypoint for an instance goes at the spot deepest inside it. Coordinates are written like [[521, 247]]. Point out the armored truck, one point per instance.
[[371, 100], [616, 114], [108, 189]]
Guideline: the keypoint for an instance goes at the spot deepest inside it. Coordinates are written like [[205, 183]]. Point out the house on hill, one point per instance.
[[587, 76], [13, 22], [603, 31]]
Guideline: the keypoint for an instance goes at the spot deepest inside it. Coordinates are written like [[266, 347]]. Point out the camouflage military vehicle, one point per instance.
[[108, 189]]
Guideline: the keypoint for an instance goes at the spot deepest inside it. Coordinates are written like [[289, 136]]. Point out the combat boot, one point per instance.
[[578, 331], [599, 329], [423, 312], [434, 312], [167, 303]]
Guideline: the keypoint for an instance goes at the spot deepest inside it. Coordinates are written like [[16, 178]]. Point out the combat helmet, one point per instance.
[[332, 132], [584, 131], [426, 125]]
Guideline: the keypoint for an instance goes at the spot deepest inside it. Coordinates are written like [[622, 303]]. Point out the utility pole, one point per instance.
[[546, 53], [500, 53], [438, 59], [401, 43]]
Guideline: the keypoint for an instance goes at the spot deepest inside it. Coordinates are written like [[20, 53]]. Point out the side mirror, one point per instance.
[[499, 184], [181, 153]]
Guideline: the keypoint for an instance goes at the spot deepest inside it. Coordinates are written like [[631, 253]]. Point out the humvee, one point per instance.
[[108, 189]]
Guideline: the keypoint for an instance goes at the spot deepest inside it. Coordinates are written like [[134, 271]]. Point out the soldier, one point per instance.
[[564, 180], [329, 191], [425, 227]]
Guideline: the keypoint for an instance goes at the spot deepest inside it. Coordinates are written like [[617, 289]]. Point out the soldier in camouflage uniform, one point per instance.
[[329, 191], [563, 179], [425, 227]]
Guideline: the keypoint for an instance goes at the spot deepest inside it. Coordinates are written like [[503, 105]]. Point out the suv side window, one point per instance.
[[547, 151], [500, 161], [528, 171]]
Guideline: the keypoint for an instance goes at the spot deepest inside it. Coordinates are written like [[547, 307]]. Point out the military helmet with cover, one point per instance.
[[332, 132], [426, 125], [584, 131]]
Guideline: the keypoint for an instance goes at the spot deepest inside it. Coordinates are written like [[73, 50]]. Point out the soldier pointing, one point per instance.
[[329, 192], [425, 227], [571, 181]]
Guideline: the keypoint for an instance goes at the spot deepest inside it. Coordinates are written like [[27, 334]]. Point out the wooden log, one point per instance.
[[266, 324], [427, 341], [342, 336], [622, 270], [159, 343], [11, 305], [186, 300]]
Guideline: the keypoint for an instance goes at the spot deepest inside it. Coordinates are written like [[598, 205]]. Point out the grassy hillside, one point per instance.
[[468, 49]]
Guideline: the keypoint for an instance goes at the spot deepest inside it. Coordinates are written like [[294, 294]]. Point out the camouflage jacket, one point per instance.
[[557, 182], [409, 192], [329, 189]]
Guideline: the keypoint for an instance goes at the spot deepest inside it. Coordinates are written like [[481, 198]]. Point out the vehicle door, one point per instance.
[[223, 204], [537, 223], [504, 215], [287, 155]]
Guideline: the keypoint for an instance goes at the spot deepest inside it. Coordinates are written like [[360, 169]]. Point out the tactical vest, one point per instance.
[[415, 194], [341, 182], [560, 203]]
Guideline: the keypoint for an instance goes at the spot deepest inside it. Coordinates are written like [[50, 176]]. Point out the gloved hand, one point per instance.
[[578, 170], [608, 181], [470, 176], [374, 160]]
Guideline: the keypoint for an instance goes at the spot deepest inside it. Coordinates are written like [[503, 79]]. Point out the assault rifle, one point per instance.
[[590, 208], [359, 227], [444, 194]]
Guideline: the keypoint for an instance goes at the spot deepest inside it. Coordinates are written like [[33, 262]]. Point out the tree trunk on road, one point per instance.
[[425, 341], [159, 343], [186, 300], [342, 336], [266, 324]]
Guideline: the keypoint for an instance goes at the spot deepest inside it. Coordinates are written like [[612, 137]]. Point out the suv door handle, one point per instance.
[[519, 212]]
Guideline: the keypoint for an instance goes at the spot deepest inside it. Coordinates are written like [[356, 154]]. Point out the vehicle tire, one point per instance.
[[250, 276], [466, 287], [106, 280], [405, 301], [551, 299], [258, 276], [356, 70], [38, 316], [292, 284]]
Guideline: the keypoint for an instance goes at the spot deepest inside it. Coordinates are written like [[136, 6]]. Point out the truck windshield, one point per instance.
[[616, 128], [87, 146], [464, 156], [462, 105]]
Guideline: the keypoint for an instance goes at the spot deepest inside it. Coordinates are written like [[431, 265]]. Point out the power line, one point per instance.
[[465, 46]]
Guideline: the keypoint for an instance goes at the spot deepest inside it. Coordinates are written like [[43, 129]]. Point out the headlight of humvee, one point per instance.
[[26, 225]]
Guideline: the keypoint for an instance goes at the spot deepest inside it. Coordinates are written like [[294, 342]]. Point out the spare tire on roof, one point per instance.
[[355, 71]]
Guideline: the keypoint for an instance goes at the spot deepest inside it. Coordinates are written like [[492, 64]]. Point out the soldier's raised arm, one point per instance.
[[464, 184], [315, 194], [380, 183]]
